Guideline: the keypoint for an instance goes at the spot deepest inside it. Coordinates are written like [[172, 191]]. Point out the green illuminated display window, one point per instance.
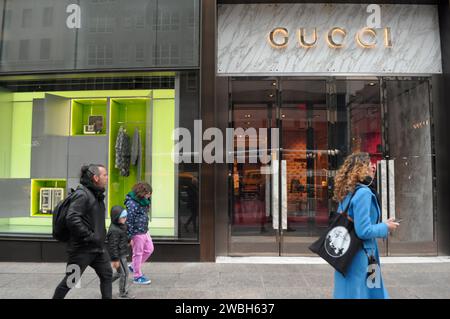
[[53, 122]]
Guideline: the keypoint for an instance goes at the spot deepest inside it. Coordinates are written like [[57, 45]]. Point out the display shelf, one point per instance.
[[36, 186], [82, 110]]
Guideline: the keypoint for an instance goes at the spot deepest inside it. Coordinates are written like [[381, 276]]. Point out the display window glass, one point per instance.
[[47, 135]]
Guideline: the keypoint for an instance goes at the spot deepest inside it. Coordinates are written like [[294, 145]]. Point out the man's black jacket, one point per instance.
[[86, 220]]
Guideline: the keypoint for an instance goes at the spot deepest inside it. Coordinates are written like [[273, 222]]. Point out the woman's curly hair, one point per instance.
[[354, 170]]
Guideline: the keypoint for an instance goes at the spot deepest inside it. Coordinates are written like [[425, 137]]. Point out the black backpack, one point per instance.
[[60, 230]]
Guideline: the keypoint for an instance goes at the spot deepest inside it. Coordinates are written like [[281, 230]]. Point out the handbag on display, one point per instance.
[[339, 244]]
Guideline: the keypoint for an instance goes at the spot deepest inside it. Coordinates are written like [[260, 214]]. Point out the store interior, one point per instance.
[[46, 136]]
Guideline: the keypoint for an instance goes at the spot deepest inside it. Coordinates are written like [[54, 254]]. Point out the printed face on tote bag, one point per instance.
[[337, 241]]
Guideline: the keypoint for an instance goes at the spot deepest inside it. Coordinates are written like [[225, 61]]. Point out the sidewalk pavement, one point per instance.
[[233, 278]]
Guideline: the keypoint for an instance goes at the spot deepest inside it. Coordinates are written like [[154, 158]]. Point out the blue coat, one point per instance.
[[365, 212]]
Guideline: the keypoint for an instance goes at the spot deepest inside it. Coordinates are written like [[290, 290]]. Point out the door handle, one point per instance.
[[391, 183], [275, 193], [383, 187], [267, 193], [283, 195]]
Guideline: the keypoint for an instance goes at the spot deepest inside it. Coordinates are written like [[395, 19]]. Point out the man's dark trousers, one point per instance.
[[100, 262]]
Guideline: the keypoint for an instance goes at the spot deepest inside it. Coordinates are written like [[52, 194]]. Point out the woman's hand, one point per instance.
[[392, 226]]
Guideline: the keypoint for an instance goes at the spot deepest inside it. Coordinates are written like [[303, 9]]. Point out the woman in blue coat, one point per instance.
[[354, 176]]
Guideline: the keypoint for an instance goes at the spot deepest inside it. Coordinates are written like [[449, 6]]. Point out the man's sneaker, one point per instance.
[[130, 268], [142, 281]]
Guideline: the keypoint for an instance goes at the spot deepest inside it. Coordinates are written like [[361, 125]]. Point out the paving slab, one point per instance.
[[198, 281], [34, 281], [239, 293], [284, 280], [5, 279], [188, 293], [240, 280], [28, 293]]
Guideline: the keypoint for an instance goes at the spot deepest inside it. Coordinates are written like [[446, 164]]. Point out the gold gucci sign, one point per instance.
[[366, 38]]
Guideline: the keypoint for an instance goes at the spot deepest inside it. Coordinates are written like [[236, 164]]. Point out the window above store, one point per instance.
[[99, 35]]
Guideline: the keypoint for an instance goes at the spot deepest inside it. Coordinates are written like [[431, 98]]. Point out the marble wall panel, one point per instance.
[[243, 46]]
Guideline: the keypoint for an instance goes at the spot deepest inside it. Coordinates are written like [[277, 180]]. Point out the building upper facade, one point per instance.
[[62, 35]]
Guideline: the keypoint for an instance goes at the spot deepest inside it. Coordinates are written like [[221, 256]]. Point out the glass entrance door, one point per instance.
[[254, 218], [357, 127], [304, 163], [279, 207]]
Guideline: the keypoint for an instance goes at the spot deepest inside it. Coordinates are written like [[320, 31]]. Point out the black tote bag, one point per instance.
[[339, 244]]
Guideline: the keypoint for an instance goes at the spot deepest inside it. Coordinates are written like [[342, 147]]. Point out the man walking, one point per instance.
[[86, 223]]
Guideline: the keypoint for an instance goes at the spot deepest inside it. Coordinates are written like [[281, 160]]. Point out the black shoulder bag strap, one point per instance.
[[345, 212]]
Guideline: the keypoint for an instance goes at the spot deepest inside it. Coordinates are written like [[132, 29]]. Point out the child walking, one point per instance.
[[138, 206], [117, 245]]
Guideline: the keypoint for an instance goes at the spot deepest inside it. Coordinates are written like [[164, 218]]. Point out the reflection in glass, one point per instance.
[[111, 34], [27, 24], [251, 219], [305, 149]]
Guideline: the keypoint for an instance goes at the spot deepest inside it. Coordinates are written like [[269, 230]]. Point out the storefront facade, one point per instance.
[[73, 75], [330, 79]]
